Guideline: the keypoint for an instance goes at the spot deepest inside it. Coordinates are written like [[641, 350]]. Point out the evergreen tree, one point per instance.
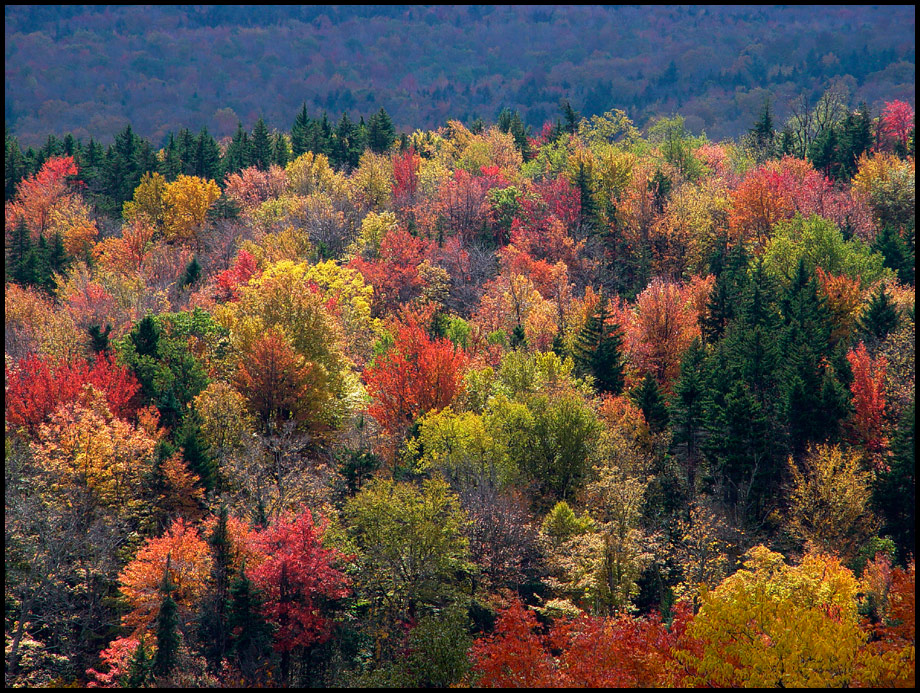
[[167, 629], [571, 117], [301, 133], [895, 491], [214, 620], [239, 152], [380, 132], [14, 165], [99, 340], [171, 165], [186, 147], [687, 411], [261, 146], [598, 351], [281, 152], [20, 259], [763, 134], [647, 397], [725, 297], [896, 252], [206, 157], [347, 145], [880, 317], [195, 449], [815, 401], [587, 215], [140, 668], [121, 168], [192, 273], [251, 634], [321, 137]]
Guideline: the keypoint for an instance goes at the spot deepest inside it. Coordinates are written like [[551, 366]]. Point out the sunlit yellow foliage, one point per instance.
[[829, 501], [86, 447], [771, 625], [149, 206], [373, 179], [188, 200]]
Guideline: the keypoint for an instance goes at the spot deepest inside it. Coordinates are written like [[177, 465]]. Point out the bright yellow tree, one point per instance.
[[188, 200], [772, 625]]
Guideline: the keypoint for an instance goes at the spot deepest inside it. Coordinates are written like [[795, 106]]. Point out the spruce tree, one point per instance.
[[895, 490], [171, 165], [587, 215], [206, 158], [301, 133], [239, 152], [140, 668], [251, 634], [880, 317], [213, 624], [192, 273], [687, 410], [380, 132], [195, 449], [167, 629], [19, 255], [281, 152], [647, 397], [896, 252], [598, 351], [261, 146]]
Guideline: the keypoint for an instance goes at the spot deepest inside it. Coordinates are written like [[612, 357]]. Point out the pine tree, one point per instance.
[[20, 261], [598, 351], [167, 629], [281, 152], [14, 165], [251, 634], [897, 254], [213, 625], [261, 146], [571, 117], [239, 152], [301, 133], [171, 165], [99, 340], [763, 133], [206, 159], [880, 317], [380, 132], [895, 491], [647, 397], [140, 668], [195, 449], [730, 270], [587, 215], [192, 273], [687, 410]]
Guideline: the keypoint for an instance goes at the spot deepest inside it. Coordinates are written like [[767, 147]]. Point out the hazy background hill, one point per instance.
[[92, 70]]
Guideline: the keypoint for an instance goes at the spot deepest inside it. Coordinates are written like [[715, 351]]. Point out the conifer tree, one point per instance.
[[380, 132], [213, 625], [206, 157], [281, 152], [687, 410], [895, 492], [598, 351], [648, 398], [880, 317], [140, 668], [896, 252], [167, 629], [301, 133], [261, 146], [250, 633], [195, 449]]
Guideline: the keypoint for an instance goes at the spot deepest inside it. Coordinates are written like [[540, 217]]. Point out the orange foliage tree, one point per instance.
[[417, 375]]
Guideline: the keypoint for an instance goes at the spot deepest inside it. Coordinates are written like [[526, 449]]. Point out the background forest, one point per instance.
[[91, 70], [484, 403]]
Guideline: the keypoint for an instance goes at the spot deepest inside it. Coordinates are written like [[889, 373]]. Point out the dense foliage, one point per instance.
[[335, 406]]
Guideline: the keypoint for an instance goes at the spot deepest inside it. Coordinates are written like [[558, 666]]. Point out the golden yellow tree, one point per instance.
[[188, 200], [772, 625], [829, 500]]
